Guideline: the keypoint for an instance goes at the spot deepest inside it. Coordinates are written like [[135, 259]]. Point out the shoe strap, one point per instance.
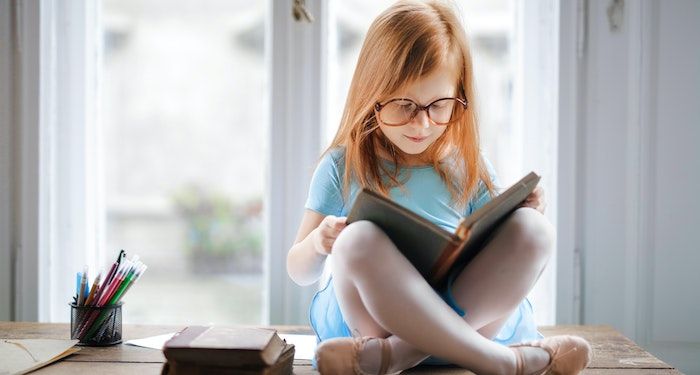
[[519, 362], [386, 355]]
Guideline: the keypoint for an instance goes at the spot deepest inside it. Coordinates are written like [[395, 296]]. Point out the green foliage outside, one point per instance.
[[218, 226]]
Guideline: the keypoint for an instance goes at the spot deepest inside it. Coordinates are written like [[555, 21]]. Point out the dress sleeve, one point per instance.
[[325, 191], [482, 195]]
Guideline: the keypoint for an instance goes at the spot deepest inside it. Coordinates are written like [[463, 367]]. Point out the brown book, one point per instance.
[[430, 248], [283, 366], [235, 347]]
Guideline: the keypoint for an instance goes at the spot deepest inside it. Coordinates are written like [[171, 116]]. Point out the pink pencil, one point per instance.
[[104, 297]]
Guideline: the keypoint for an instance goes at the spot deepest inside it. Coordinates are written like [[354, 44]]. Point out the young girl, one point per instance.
[[409, 131]]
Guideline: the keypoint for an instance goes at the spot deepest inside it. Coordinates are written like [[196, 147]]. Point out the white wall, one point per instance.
[[638, 170]]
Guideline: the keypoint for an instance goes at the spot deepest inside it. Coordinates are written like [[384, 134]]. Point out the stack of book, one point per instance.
[[227, 350]]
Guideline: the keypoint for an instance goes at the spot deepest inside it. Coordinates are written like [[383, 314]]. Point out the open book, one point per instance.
[[430, 248]]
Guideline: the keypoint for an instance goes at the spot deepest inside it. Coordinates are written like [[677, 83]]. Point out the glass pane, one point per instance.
[[183, 140]]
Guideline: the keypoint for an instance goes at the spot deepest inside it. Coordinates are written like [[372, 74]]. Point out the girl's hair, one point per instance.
[[410, 40]]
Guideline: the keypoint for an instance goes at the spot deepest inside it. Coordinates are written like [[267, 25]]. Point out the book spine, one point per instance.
[[444, 263]]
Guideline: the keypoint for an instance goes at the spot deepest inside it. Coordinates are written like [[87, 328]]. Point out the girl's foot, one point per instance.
[[568, 355], [530, 360], [354, 356]]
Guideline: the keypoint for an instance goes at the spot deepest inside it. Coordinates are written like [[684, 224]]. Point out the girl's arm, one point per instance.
[[312, 245]]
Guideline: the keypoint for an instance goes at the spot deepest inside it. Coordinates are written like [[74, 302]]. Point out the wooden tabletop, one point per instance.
[[612, 352]]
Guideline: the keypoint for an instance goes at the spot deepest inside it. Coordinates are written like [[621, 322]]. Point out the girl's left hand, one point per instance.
[[536, 200]]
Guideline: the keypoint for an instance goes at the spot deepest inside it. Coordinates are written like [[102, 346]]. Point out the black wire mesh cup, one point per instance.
[[96, 326]]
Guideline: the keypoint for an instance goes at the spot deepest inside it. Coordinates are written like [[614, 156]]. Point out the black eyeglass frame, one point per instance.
[[378, 107]]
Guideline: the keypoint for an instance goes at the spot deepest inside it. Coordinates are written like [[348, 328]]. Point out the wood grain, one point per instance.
[[613, 353]]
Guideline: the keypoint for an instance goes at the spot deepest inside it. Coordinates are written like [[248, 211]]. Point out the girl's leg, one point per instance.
[[508, 268], [387, 294]]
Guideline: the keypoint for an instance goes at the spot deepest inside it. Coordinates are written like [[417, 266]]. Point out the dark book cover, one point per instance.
[[430, 248], [235, 347], [283, 366]]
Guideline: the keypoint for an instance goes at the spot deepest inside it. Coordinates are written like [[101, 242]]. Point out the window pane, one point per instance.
[[183, 140]]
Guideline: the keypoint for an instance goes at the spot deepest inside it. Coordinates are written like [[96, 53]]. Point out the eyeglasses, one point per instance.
[[401, 111]]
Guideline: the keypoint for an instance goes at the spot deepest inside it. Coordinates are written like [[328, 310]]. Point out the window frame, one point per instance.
[[57, 191], [297, 101], [56, 142]]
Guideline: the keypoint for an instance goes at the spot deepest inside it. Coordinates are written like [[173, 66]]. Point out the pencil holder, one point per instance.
[[96, 326]]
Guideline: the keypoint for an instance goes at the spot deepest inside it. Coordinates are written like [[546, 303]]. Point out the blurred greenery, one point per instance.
[[218, 226]]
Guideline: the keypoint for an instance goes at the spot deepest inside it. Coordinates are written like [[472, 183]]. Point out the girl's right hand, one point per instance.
[[327, 232]]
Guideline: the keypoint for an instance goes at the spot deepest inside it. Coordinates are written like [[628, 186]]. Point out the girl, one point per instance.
[[409, 131]]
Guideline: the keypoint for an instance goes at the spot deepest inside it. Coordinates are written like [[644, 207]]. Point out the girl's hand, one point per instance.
[[327, 232], [536, 200]]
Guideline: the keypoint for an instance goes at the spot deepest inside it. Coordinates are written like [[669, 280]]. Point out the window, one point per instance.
[[209, 112], [183, 136]]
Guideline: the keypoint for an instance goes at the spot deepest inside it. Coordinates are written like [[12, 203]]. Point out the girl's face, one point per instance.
[[417, 135]]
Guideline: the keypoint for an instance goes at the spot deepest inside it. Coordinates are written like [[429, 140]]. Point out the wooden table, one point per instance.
[[612, 352]]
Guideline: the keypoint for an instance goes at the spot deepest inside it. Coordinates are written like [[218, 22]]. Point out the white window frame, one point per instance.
[[571, 31], [56, 205], [535, 123], [53, 196], [297, 101], [54, 230]]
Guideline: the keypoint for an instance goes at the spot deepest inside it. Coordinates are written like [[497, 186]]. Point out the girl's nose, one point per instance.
[[421, 120]]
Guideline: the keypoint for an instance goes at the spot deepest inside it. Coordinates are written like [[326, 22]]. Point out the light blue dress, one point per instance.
[[424, 193]]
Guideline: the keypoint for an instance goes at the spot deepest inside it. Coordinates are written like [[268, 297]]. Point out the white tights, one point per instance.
[[382, 295]]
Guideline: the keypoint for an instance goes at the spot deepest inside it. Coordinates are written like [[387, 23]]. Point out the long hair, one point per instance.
[[410, 40]]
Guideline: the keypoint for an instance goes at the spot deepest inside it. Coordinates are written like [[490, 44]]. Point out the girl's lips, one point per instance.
[[416, 139]]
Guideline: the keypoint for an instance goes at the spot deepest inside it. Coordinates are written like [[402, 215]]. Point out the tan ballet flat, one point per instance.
[[341, 356], [568, 355]]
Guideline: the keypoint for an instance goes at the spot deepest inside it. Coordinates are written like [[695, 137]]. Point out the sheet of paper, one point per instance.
[[153, 342], [20, 356], [304, 345]]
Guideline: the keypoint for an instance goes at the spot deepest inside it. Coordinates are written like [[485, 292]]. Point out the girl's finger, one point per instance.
[[329, 221]]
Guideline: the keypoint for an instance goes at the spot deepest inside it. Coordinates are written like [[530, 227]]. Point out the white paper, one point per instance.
[[304, 345], [153, 342]]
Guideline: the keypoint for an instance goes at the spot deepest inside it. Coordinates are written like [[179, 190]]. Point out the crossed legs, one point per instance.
[[382, 295]]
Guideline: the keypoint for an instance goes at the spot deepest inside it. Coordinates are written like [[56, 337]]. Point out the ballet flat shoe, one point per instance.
[[341, 356], [568, 355]]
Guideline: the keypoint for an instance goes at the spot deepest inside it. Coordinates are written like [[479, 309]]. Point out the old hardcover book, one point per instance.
[[283, 366], [226, 347], [430, 248]]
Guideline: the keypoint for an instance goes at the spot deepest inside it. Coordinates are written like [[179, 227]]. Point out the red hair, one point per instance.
[[410, 40]]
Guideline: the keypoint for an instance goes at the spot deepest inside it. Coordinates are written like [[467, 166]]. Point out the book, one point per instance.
[[244, 349], [283, 366], [20, 356], [433, 250]]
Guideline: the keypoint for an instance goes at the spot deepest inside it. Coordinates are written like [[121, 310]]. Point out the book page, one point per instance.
[[20, 356], [233, 338], [304, 345]]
